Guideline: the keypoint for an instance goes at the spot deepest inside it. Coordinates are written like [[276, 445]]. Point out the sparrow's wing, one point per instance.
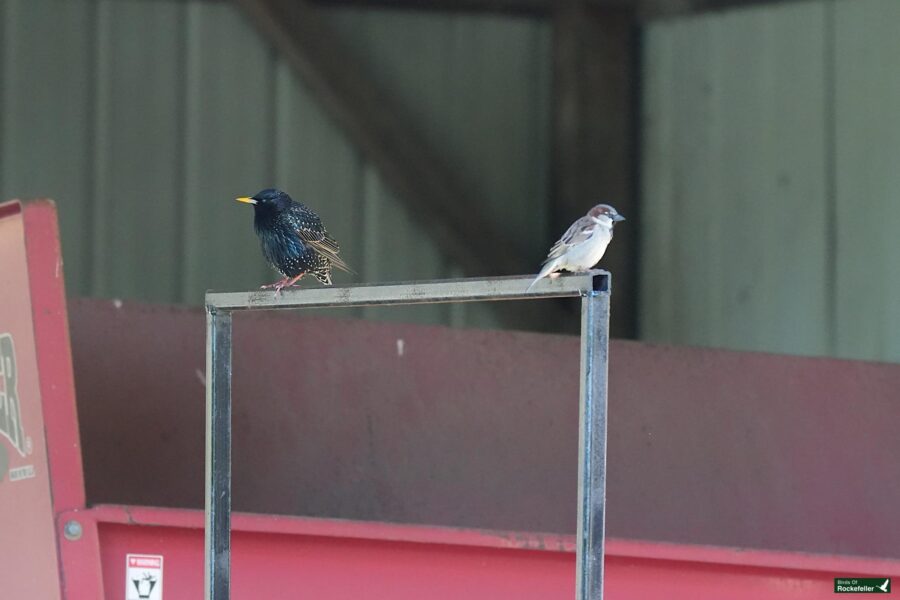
[[580, 231], [310, 229]]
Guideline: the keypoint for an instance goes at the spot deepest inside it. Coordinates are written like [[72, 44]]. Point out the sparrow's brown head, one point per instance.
[[605, 210]]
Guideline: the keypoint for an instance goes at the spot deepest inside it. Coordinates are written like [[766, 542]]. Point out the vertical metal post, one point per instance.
[[217, 571], [592, 442]]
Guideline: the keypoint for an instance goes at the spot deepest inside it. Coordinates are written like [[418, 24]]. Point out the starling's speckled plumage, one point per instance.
[[293, 239]]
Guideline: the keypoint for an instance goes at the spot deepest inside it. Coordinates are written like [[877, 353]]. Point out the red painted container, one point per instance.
[[731, 475]]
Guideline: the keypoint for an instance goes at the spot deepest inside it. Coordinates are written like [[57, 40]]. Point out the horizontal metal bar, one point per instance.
[[416, 292]]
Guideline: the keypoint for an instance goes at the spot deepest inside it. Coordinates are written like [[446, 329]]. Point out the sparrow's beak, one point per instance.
[[246, 200], [618, 218]]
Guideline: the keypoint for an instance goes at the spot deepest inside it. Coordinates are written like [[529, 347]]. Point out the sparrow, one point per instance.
[[293, 239], [583, 244]]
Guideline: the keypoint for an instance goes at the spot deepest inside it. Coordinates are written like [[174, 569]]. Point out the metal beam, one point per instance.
[[643, 9], [217, 571], [413, 292], [379, 127], [591, 528]]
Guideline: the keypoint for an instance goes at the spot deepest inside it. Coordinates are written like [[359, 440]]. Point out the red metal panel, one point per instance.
[[29, 565], [53, 416], [54, 357], [79, 561], [770, 405], [274, 567], [284, 557], [754, 450], [478, 429]]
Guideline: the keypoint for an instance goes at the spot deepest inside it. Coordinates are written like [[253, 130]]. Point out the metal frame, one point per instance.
[[592, 287]]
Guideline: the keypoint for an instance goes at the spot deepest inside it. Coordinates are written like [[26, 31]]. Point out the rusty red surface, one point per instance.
[[289, 557], [478, 429]]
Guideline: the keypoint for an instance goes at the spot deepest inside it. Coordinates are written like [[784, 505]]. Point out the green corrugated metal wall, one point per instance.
[[770, 132], [145, 118], [771, 187]]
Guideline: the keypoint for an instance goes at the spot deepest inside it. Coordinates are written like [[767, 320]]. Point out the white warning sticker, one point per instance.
[[143, 577]]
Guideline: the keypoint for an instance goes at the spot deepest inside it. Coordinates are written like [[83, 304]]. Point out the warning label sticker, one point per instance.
[[143, 577]]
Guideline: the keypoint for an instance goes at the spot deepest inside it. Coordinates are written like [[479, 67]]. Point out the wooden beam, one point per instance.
[[595, 59], [378, 126]]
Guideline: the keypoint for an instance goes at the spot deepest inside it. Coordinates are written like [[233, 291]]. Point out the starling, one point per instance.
[[293, 239], [583, 244]]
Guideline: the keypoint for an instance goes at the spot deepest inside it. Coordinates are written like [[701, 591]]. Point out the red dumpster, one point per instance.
[[385, 460]]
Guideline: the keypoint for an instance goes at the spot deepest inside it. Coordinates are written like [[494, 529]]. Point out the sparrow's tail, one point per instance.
[[545, 270]]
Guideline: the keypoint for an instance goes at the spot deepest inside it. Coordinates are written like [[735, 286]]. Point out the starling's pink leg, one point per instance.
[[277, 285], [291, 282], [286, 282]]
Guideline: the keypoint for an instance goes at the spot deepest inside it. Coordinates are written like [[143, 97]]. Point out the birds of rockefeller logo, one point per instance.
[[10, 414], [862, 585]]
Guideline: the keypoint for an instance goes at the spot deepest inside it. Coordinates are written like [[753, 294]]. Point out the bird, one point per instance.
[[293, 239], [582, 245]]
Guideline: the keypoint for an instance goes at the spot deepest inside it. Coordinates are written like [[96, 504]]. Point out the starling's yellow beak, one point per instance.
[[246, 200]]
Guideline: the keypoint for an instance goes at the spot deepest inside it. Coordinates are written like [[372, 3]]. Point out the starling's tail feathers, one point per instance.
[[338, 262], [329, 248], [324, 245], [323, 275]]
